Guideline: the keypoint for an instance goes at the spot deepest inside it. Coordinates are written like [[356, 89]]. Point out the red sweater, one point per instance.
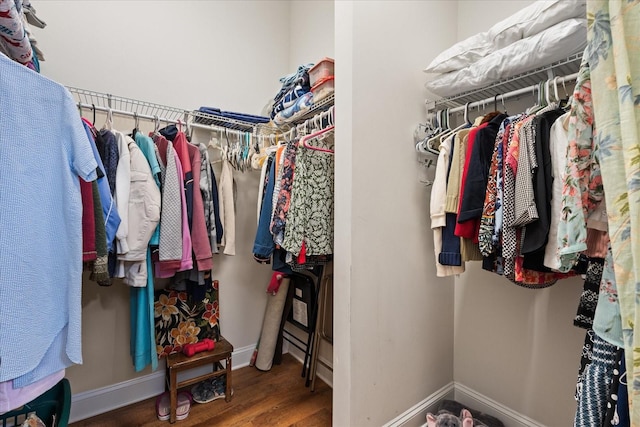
[[468, 229]]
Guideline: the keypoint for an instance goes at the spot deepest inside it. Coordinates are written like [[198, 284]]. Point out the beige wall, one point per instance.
[[176, 53], [311, 28], [517, 346], [394, 320]]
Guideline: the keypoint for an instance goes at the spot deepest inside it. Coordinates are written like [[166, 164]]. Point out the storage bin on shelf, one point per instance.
[[52, 407], [323, 88], [321, 70]]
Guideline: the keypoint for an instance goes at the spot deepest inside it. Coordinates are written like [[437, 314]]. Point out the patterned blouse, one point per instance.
[[310, 217], [582, 183]]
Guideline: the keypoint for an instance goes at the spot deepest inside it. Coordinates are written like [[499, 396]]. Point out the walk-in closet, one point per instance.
[[316, 242]]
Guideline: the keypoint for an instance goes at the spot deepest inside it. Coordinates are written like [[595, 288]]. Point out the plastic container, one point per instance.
[[323, 88], [51, 405], [321, 70]]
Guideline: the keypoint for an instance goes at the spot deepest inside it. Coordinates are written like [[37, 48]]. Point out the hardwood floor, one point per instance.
[[274, 398]]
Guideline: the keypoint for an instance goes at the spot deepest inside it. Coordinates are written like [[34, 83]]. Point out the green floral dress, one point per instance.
[[613, 54]]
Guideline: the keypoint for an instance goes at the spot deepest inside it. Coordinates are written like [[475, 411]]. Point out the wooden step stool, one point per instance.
[[178, 362]]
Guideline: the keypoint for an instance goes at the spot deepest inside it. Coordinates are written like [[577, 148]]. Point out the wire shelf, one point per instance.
[[147, 110], [227, 122], [567, 66], [318, 107], [105, 101]]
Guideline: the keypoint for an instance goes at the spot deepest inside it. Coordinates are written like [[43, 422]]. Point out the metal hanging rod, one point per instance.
[[513, 93], [563, 67]]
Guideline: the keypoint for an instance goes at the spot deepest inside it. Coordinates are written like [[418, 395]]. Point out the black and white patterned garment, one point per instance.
[[509, 237], [310, 217], [594, 383], [617, 406], [589, 296]]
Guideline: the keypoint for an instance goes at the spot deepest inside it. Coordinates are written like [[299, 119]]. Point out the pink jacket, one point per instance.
[[199, 232]]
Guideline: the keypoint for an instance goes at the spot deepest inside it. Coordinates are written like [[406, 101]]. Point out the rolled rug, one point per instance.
[[271, 326]]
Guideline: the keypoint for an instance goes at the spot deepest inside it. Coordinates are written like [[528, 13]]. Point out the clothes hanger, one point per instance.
[[156, 124], [108, 124], [504, 107], [304, 141], [93, 108], [136, 126], [429, 145]]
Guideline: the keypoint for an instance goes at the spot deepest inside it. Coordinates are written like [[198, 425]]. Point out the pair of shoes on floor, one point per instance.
[[163, 406], [210, 389]]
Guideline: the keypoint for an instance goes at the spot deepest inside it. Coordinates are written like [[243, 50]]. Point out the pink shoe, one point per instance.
[[163, 406]]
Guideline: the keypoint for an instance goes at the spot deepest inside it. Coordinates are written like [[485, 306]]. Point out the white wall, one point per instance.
[[476, 16], [394, 321], [312, 32], [185, 54], [181, 53], [517, 346]]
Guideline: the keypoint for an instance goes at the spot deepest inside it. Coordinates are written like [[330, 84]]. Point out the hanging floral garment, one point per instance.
[[613, 55]]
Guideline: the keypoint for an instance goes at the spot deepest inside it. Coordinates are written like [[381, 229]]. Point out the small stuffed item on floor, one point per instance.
[[445, 418], [33, 421], [479, 418]]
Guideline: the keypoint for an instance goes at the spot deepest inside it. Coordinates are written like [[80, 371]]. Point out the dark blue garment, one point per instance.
[[216, 207], [108, 149], [450, 251], [263, 245], [280, 263], [169, 132], [188, 192], [623, 396]]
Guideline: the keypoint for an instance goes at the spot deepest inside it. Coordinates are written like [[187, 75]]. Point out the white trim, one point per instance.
[[416, 415], [242, 356], [508, 416], [104, 399], [324, 373], [420, 409], [94, 402]]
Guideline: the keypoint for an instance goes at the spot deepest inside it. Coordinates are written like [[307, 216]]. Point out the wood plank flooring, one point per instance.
[[274, 398]]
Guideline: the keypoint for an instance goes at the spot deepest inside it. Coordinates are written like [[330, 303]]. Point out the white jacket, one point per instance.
[[123, 179], [144, 215]]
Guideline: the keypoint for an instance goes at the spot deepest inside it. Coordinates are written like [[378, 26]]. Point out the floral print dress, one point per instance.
[[613, 55], [582, 183]]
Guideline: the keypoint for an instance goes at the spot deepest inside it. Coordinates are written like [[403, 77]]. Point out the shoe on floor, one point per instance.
[[210, 389], [163, 406]]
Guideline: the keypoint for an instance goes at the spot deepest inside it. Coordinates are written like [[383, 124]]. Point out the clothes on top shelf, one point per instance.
[[295, 226], [294, 85]]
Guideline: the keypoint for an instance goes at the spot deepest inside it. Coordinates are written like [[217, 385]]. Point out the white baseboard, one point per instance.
[[508, 416], [417, 414], [94, 402]]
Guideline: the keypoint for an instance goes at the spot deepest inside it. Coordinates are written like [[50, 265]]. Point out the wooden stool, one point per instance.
[[178, 362]]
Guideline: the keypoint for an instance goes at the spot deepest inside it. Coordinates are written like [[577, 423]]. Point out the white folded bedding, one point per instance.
[[553, 44], [527, 22]]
